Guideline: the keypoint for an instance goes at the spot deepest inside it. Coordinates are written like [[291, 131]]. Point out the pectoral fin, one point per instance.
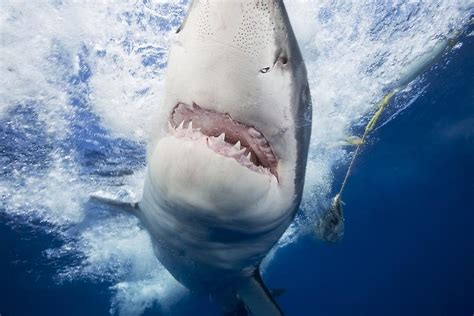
[[129, 207], [257, 298]]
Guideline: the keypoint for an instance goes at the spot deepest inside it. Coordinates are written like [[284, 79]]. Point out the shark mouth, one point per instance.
[[225, 136]]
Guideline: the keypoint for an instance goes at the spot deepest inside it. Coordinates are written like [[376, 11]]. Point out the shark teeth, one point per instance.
[[234, 152], [225, 136], [267, 150], [238, 154], [238, 145], [253, 132], [243, 154], [262, 142], [221, 138]]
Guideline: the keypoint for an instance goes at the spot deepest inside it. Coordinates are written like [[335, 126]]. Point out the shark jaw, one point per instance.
[[224, 136]]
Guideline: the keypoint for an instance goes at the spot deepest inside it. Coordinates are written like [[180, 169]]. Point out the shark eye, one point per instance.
[[283, 59], [264, 70]]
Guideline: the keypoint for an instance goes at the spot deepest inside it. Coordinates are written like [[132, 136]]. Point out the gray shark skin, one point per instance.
[[227, 162]]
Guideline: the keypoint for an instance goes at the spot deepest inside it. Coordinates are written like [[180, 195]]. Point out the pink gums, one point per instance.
[[213, 124]]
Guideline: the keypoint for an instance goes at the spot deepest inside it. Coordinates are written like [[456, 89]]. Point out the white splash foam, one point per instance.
[[354, 51], [55, 197], [133, 297]]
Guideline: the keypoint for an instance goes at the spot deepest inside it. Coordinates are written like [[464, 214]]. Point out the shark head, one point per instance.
[[226, 166]]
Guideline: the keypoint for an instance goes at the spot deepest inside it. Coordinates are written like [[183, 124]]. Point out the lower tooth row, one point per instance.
[[238, 149]]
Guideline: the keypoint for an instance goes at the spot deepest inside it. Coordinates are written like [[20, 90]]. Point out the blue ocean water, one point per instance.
[[408, 246]]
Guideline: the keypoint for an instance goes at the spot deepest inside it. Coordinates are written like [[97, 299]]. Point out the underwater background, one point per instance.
[[80, 81]]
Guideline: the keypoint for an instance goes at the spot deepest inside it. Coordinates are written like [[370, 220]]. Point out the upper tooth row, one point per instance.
[[184, 106], [181, 125], [253, 132], [259, 139]]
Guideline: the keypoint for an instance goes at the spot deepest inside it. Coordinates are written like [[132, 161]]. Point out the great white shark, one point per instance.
[[226, 166]]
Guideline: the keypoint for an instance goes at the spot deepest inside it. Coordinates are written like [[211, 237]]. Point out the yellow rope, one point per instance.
[[330, 227], [370, 126]]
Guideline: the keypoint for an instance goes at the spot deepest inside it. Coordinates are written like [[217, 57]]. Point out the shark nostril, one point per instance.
[[265, 70], [283, 59]]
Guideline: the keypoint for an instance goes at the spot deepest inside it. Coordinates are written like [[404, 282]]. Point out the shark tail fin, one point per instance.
[[257, 298]]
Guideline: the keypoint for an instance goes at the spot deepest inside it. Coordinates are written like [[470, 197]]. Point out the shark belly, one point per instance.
[[203, 251]]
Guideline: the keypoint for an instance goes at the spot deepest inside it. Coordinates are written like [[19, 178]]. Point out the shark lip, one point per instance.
[[225, 136]]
